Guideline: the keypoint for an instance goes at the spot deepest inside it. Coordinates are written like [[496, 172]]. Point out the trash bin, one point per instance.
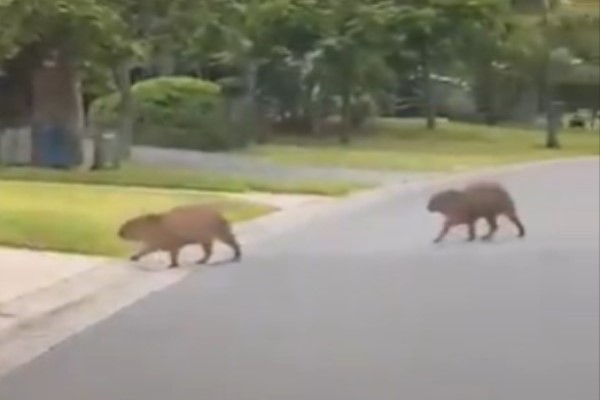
[[107, 150], [15, 147]]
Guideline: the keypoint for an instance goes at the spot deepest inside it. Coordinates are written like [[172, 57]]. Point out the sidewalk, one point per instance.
[[23, 272]]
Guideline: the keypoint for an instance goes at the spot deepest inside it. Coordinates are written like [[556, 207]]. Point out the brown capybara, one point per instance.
[[486, 200], [177, 228]]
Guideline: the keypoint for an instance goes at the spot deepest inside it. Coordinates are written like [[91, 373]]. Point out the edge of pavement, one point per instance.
[[33, 324]]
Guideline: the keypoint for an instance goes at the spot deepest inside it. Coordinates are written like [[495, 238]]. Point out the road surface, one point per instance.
[[257, 168], [361, 306]]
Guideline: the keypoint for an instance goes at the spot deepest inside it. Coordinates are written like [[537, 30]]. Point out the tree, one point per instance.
[[52, 38], [567, 34], [434, 31], [349, 62], [155, 31]]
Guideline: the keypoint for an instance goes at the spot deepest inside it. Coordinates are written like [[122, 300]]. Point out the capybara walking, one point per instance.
[[179, 227], [486, 200]]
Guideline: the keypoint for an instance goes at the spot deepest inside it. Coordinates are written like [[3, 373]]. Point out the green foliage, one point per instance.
[[174, 112], [87, 27], [296, 58]]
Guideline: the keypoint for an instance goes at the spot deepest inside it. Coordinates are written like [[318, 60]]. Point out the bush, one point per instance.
[[174, 112]]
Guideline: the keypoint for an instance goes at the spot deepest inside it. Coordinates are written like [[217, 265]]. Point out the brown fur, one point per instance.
[[177, 228], [486, 200]]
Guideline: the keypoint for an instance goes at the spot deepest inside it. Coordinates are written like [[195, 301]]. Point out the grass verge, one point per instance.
[[84, 218], [407, 146], [130, 175]]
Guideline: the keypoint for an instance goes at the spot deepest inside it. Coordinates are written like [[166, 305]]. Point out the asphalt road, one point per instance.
[[256, 168], [361, 306]]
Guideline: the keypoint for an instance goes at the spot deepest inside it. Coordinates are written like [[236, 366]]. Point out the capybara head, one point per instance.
[[445, 200], [136, 228]]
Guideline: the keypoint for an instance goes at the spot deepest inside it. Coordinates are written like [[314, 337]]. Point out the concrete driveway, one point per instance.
[[361, 306]]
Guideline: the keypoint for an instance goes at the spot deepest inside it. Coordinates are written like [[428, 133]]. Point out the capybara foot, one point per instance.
[[172, 266]]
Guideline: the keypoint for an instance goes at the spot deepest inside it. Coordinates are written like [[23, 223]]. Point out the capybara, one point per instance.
[[181, 226], [486, 200]]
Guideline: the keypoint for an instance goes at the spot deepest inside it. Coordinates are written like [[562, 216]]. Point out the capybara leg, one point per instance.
[[142, 253], [229, 239], [514, 218], [207, 247], [472, 231], [493, 223], [444, 232], [174, 256]]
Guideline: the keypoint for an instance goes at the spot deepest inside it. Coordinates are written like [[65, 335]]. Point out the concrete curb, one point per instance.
[[44, 319]]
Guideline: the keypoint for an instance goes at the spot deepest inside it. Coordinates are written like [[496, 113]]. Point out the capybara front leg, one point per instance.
[[444, 232], [514, 218], [493, 223], [207, 247], [142, 253], [174, 256], [229, 239]]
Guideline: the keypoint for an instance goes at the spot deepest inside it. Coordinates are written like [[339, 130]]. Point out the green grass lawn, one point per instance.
[[397, 145], [130, 175], [84, 218]]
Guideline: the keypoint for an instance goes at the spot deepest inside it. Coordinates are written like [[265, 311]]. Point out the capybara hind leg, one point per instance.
[[514, 218], [444, 232], [174, 256], [207, 247], [472, 231], [229, 239], [493, 223]]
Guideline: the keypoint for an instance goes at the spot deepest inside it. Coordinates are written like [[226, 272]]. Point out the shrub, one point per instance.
[[175, 112]]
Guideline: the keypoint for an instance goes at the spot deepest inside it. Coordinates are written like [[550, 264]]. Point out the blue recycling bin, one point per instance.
[[53, 148]]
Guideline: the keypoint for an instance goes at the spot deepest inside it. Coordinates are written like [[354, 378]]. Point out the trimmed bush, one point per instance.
[[180, 112]]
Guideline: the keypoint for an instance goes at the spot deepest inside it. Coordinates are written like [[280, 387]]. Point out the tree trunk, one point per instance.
[[97, 149], [487, 98], [126, 109], [429, 103], [345, 116], [165, 62], [316, 116], [249, 110], [57, 103], [312, 108], [594, 118], [553, 114]]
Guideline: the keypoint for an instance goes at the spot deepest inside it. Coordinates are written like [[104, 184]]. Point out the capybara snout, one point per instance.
[[487, 200], [178, 228]]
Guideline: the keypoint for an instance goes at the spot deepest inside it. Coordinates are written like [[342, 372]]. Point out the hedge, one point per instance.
[[180, 112]]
